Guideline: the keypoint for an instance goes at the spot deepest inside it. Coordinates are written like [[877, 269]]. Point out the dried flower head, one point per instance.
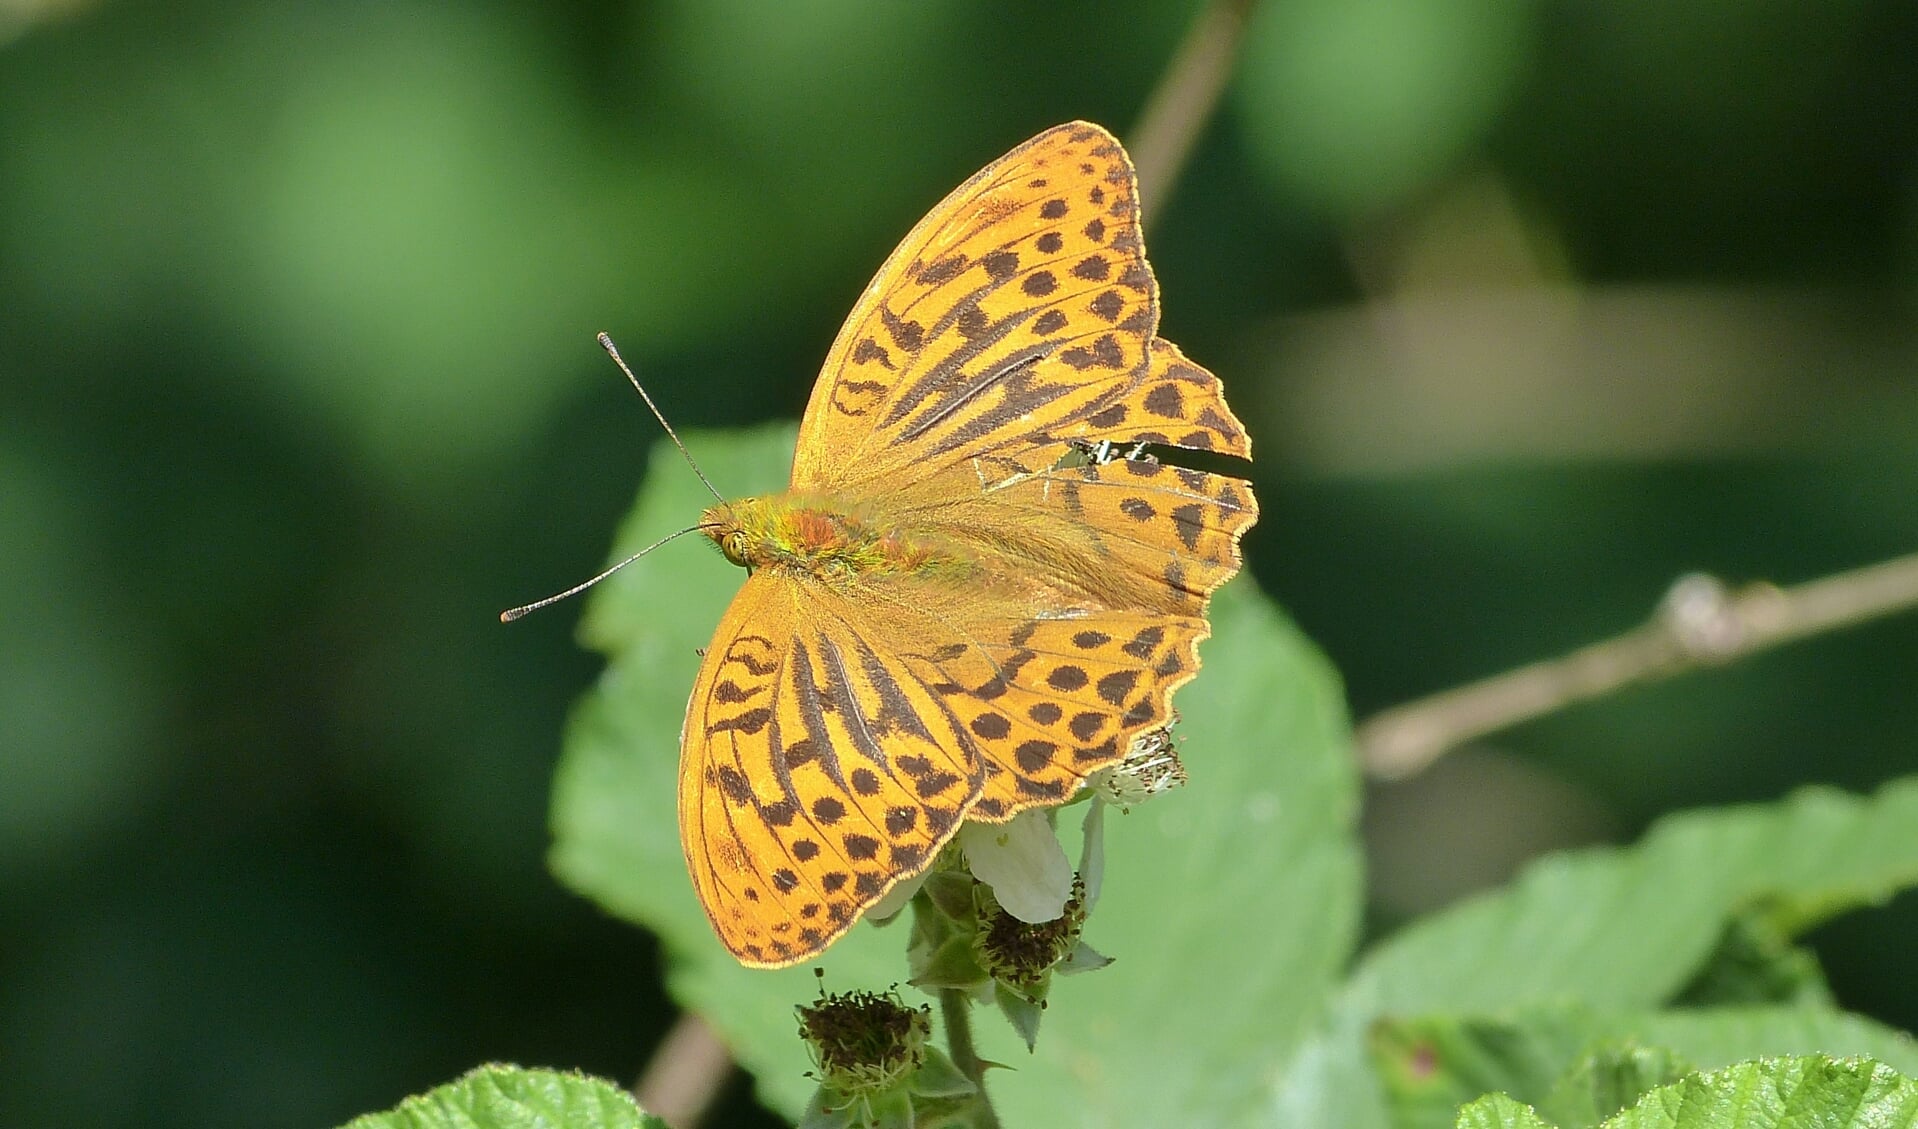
[[864, 1042], [1151, 766], [1021, 955]]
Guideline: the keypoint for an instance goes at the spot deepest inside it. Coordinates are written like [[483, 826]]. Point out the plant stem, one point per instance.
[[1184, 99], [1699, 623], [954, 1008], [685, 1074]]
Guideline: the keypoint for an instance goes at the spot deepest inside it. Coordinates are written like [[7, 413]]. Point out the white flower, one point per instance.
[[895, 899], [1023, 863]]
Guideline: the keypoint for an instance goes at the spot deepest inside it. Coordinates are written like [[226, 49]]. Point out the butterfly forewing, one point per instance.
[[1020, 304], [1175, 403]]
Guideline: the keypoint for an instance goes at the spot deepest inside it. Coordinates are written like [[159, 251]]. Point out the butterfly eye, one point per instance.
[[734, 546]]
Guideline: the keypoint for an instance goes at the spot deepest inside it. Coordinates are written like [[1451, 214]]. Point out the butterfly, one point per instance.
[[980, 586]]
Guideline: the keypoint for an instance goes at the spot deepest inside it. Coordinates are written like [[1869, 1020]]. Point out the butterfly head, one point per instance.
[[753, 532], [820, 537], [723, 526]]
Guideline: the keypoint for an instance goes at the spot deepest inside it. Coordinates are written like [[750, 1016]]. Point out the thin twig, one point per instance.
[[685, 1074], [1178, 108], [953, 1009], [1699, 623]]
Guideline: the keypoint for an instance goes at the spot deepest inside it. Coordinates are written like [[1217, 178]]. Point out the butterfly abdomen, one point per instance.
[[830, 541]]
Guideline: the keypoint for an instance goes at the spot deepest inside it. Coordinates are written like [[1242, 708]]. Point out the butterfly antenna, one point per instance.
[[612, 350], [512, 614]]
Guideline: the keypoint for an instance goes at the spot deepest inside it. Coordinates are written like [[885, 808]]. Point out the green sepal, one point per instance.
[[937, 1077], [1022, 1013], [931, 931], [952, 965], [820, 1115], [951, 894], [1082, 958], [891, 1110]]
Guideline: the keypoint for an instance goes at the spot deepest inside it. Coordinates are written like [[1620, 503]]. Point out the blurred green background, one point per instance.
[[1530, 305]]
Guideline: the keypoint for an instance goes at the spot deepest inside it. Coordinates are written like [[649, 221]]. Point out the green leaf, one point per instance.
[[1776, 1093], [1251, 868], [512, 1097], [1756, 963], [1432, 1065], [1429, 1066], [1496, 1111], [1609, 1078], [1575, 926], [1800, 1093], [1721, 1036], [1579, 928]]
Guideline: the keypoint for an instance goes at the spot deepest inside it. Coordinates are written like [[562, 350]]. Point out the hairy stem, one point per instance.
[[954, 1009]]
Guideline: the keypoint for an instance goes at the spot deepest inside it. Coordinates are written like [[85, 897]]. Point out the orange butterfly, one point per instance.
[[978, 589]]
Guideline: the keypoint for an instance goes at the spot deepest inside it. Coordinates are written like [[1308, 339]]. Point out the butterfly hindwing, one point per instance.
[[1049, 701], [816, 772]]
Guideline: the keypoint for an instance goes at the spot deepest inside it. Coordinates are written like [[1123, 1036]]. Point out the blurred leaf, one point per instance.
[[395, 210], [1353, 104], [511, 1097], [1252, 867], [425, 235], [1721, 1036], [1558, 1057], [1755, 963], [1574, 927], [78, 690], [1431, 1066]]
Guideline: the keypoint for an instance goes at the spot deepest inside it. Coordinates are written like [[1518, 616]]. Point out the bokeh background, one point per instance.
[[1531, 305]]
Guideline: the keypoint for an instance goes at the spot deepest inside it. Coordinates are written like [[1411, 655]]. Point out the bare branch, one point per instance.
[[1699, 623], [685, 1074], [1180, 105]]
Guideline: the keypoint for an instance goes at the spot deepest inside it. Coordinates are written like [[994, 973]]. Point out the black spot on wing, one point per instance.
[[869, 351], [1189, 520], [942, 271]]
